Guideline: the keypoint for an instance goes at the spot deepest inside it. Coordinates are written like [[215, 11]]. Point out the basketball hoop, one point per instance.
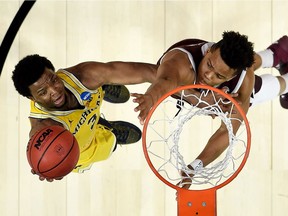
[[174, 134]]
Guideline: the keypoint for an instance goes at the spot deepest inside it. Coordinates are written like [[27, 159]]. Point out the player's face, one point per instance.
[[48, 90], [213, 71]]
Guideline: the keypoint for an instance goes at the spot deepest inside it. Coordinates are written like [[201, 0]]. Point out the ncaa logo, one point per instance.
[[85, 95]]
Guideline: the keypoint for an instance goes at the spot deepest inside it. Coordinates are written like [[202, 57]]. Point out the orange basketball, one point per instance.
[[53, 152]]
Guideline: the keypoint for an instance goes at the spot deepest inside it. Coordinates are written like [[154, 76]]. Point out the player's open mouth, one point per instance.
[[60, 100]]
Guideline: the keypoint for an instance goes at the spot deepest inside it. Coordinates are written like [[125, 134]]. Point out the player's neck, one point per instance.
[[71, 102]]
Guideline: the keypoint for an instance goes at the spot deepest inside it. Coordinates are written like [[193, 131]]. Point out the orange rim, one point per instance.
[[234, 175]]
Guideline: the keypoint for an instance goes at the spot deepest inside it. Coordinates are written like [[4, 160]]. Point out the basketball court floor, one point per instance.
[[69, 32]]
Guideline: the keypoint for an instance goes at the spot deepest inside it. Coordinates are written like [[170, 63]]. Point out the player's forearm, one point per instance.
[[160, 88], [218, 142], [132, 72], [215, 146], [38, 124]]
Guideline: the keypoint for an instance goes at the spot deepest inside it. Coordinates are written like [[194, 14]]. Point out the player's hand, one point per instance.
[[233, 95], [145, 103], [41, 178], [186, 180], [226, 106]]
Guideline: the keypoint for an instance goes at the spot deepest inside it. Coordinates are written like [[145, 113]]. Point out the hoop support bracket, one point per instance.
[[196, 203]]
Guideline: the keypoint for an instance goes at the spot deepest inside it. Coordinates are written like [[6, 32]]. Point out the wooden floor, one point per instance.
[[69, 32]]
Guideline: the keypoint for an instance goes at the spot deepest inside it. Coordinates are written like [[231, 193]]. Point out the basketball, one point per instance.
[[53, 152]]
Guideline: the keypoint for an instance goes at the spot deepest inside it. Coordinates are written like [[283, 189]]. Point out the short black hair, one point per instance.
[[236, 51], [28, 71]]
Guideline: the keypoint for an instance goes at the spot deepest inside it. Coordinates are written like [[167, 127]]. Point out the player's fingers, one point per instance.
[[141, 120], [41, 178], [142, 105], [225, 89], [138, 108], [142, 116], [136, 95], [213, 116], [234, 95], [186, 183], [138, 100], [186, 186], [59, 178]]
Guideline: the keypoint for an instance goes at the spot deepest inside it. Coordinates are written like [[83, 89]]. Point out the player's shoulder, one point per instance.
[[250, 76], [80, 71], [248, 82]]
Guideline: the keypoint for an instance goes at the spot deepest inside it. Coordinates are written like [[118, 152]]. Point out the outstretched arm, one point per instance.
[[96, 74], [219, 142], [38, 124], [175, 70]]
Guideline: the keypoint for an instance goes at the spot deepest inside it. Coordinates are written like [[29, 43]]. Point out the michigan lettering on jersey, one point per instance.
[[91, 120]]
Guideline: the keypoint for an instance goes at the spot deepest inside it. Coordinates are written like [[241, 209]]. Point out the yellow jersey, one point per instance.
[[96, 142]]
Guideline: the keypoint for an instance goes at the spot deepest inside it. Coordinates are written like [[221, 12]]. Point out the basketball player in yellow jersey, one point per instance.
[[72, 98]]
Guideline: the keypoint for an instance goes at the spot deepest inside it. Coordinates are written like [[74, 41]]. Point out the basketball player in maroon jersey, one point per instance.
[[228, 64]]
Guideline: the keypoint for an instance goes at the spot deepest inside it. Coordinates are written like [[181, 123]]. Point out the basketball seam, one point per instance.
[[68, 153], [40, 159]]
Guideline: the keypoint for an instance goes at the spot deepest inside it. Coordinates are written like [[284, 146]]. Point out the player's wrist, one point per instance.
[[196, 165], [151, 96]]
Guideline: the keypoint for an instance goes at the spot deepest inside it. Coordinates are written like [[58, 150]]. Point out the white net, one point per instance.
[[178, 131]]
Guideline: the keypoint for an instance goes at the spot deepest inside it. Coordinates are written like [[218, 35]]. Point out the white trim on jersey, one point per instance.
[[190, 57], [240, 81], [183, 50], [205, 47]]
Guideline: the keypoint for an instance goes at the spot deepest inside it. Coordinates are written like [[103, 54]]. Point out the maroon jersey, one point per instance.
[[195, 49]]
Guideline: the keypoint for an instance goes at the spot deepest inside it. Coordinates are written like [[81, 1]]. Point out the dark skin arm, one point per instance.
[[96, 74], [175, 70], [218, 142], [38, 124]]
